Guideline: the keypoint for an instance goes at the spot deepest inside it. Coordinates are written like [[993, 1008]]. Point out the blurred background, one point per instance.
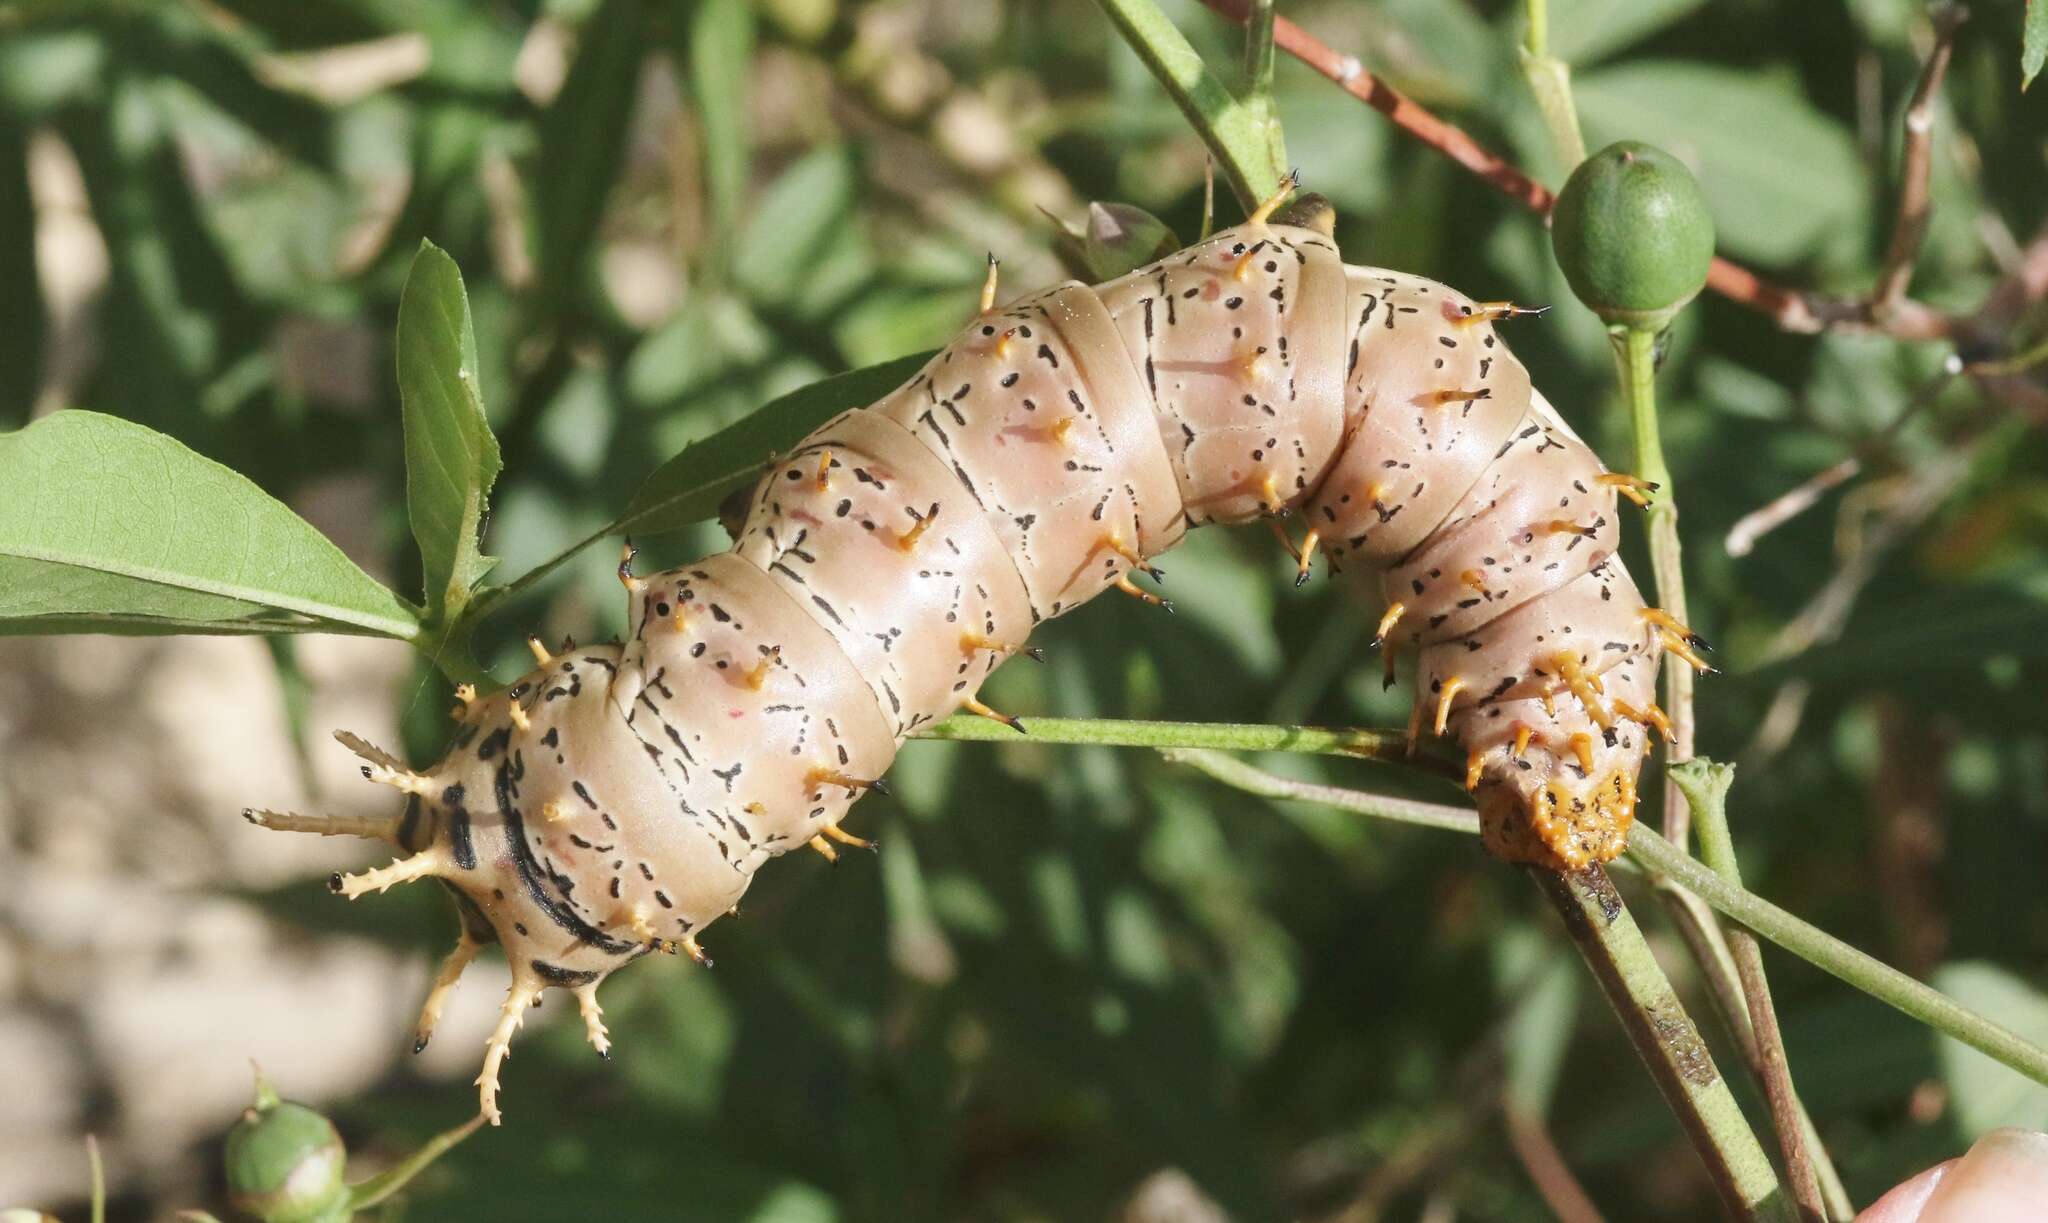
[[1075, 983]]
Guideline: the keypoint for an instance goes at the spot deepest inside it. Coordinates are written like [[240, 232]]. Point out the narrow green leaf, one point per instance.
[[451, 459], [582, 137], [792, 225], [1244, 141], [110, 527], [721, 46], [2033, 42], [689, 487]]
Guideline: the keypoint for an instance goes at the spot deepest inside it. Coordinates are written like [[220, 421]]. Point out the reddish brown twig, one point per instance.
[[1791, 309], [1553, 1178]]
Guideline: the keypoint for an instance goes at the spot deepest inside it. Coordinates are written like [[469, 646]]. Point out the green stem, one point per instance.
[[1706, 790], [1550, 80], [1228, 736], [1614, 948], [1238, 775], [1245, 144], [97, 1171], [384, 1184], [1657, 857], [1538, 42], [490, 598], [447, 647], [1829, 954], [1666, 1039], [1636, 352]]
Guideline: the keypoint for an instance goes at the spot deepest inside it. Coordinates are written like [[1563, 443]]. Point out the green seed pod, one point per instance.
[[1632, 233], [285, 1162]]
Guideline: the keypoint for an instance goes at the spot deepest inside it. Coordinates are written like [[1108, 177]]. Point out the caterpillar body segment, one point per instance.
[[1238, 341], [617, 800]]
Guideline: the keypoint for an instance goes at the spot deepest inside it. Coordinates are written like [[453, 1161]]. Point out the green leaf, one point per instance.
[[110, 527], [451, 459], [721, 46], [1582, 31], [1775, 200], [794, 223], [689, 487], [2033, 42], [582, 136], [1985, 1094]]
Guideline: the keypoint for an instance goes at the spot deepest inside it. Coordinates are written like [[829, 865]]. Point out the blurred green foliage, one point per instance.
[[1071, 971]]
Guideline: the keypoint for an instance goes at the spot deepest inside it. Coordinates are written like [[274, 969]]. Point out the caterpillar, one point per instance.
[[618, 799]]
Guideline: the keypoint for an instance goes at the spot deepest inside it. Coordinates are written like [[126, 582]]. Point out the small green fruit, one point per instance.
[[1632, 233], [285, 1162]]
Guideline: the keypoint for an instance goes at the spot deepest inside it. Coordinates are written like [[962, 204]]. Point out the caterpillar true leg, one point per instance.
[[450, 972], [522, 995], [973, 705], [844, 837], [593, 1019]]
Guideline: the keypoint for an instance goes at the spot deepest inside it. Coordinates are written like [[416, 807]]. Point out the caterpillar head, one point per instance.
[[527, 819]]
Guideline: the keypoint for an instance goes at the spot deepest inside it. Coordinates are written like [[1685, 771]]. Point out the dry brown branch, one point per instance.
[[1786, 506]]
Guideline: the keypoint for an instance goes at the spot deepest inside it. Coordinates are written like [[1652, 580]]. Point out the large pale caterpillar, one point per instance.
[[618, 799]]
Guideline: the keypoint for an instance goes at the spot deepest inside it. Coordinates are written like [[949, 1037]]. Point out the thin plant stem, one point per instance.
[[1235, 132], [1703, 936], [1229, 736], [1238, 775], [1550, 80], [1636, 352], [98, 1172], [1612, 945], [1636, 356], [1659, 857], [1706, 790], [375, 1190], [1836, 958]]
